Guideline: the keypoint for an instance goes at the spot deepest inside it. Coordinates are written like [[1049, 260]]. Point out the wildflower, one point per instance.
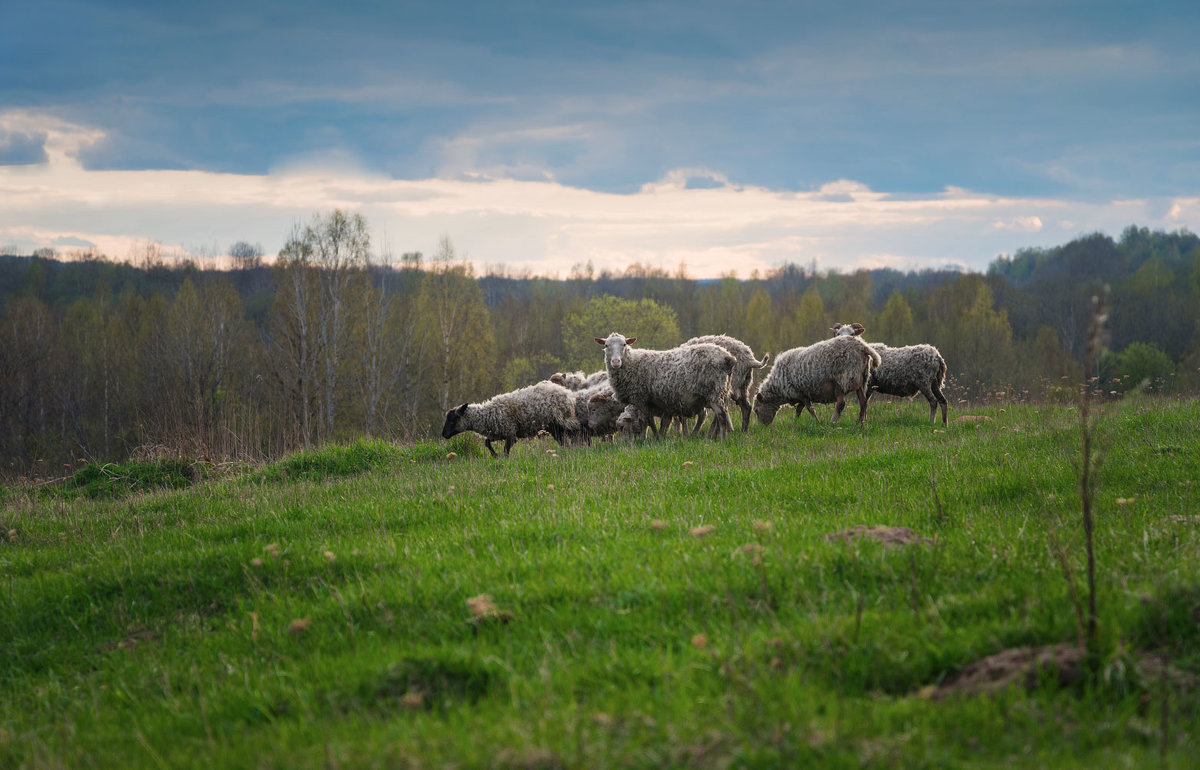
[[686, 463], [700, 641], [658, 524], [1125, 500], [299, 625], [702, 531], [754, 549], [256, 562], [451, 455], [483, 609], [413, 699], [329, 557], [550, 487], [272, 549], [762, 526]]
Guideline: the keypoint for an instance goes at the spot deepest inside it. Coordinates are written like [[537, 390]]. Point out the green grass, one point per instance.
[[314, 612]]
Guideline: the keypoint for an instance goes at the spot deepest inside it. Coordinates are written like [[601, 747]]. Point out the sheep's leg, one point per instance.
[[937, 391], [744, 404], [699, 422], [862, 404], [508, 443], [813, 412], [841, 404], [933, 404], [650, 420], [487, 442]]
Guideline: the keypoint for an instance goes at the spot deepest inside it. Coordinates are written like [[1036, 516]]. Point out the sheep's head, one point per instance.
[[558, 378], [602, 409], [764, 411], [451, 427], [614, 348], [848, 330]]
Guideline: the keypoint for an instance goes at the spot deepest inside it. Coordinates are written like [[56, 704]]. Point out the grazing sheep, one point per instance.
[[517, 414], [680, 382], [906, 371], [741, 382], [821, 373], [583, 412], [579, 380], [632, 424], [603, 411]]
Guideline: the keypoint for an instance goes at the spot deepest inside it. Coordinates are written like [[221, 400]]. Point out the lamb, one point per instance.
[[680, 382], [741, 382], [518, 414], [579, 380], [824, 372], [906, 371]]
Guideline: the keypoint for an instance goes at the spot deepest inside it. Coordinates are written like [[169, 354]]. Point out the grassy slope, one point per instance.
[[144, 631]]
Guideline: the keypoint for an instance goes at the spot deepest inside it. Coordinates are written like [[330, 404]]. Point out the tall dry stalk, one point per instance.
[[1090, 460]]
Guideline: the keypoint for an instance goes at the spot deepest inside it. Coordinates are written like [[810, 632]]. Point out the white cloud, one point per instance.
[[1026, 224], [541, 225]]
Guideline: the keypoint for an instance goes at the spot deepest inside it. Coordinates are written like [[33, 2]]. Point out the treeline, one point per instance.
[[101, 360]]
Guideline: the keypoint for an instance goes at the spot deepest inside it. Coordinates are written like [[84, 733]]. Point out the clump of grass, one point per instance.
[[115, 480], [333, 461]]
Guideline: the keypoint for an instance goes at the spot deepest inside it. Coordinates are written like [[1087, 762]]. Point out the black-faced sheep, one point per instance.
[[518, 414], [741, 381], [906, 371], [680, 382], [823, 373]]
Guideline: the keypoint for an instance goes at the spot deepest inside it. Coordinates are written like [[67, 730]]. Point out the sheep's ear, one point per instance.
[[858, 329], [834, 329], [631, 340], [598, 340], [461, 410]]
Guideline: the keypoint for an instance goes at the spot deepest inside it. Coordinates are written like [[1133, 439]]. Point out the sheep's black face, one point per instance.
[[451, 429]]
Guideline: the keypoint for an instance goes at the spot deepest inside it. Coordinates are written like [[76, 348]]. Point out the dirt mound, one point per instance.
[[972, 418], [1021, 665], [885, 535]]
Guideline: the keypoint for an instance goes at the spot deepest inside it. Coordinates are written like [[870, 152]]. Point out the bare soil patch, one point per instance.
[[885, 535], [1026, 666]]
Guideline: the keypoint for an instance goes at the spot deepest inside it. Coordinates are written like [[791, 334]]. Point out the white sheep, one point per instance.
[[680, 382], [518, 414], [579, 380], [823, 373], [906, 371], [741, 381]]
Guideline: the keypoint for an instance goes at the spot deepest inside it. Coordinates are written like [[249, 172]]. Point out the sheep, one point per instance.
[[906, 371], [632, 424], [677, 382], [518, 414], [823, 372], [601, 426], [741, 382], [603, 411], [579, 380]]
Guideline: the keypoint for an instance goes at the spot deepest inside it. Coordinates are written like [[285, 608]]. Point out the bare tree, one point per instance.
[[247, 256]]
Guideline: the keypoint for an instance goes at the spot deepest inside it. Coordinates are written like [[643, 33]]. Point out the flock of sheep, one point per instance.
[[638, 387]]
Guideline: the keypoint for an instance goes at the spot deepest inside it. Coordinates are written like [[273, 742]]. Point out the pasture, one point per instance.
[[666, 604]]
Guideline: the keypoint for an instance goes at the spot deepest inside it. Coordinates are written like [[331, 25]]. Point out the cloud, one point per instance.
[[1026, 224], [541, 225]]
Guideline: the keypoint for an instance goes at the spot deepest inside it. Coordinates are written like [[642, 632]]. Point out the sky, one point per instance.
[[542, 135]]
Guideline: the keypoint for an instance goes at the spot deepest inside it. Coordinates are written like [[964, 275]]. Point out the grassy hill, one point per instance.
[[667, 604]]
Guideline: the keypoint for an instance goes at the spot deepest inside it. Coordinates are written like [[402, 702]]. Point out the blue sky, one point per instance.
[[538, 135]]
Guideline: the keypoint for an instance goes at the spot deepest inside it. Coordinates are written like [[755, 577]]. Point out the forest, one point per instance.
[[103, 360]]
